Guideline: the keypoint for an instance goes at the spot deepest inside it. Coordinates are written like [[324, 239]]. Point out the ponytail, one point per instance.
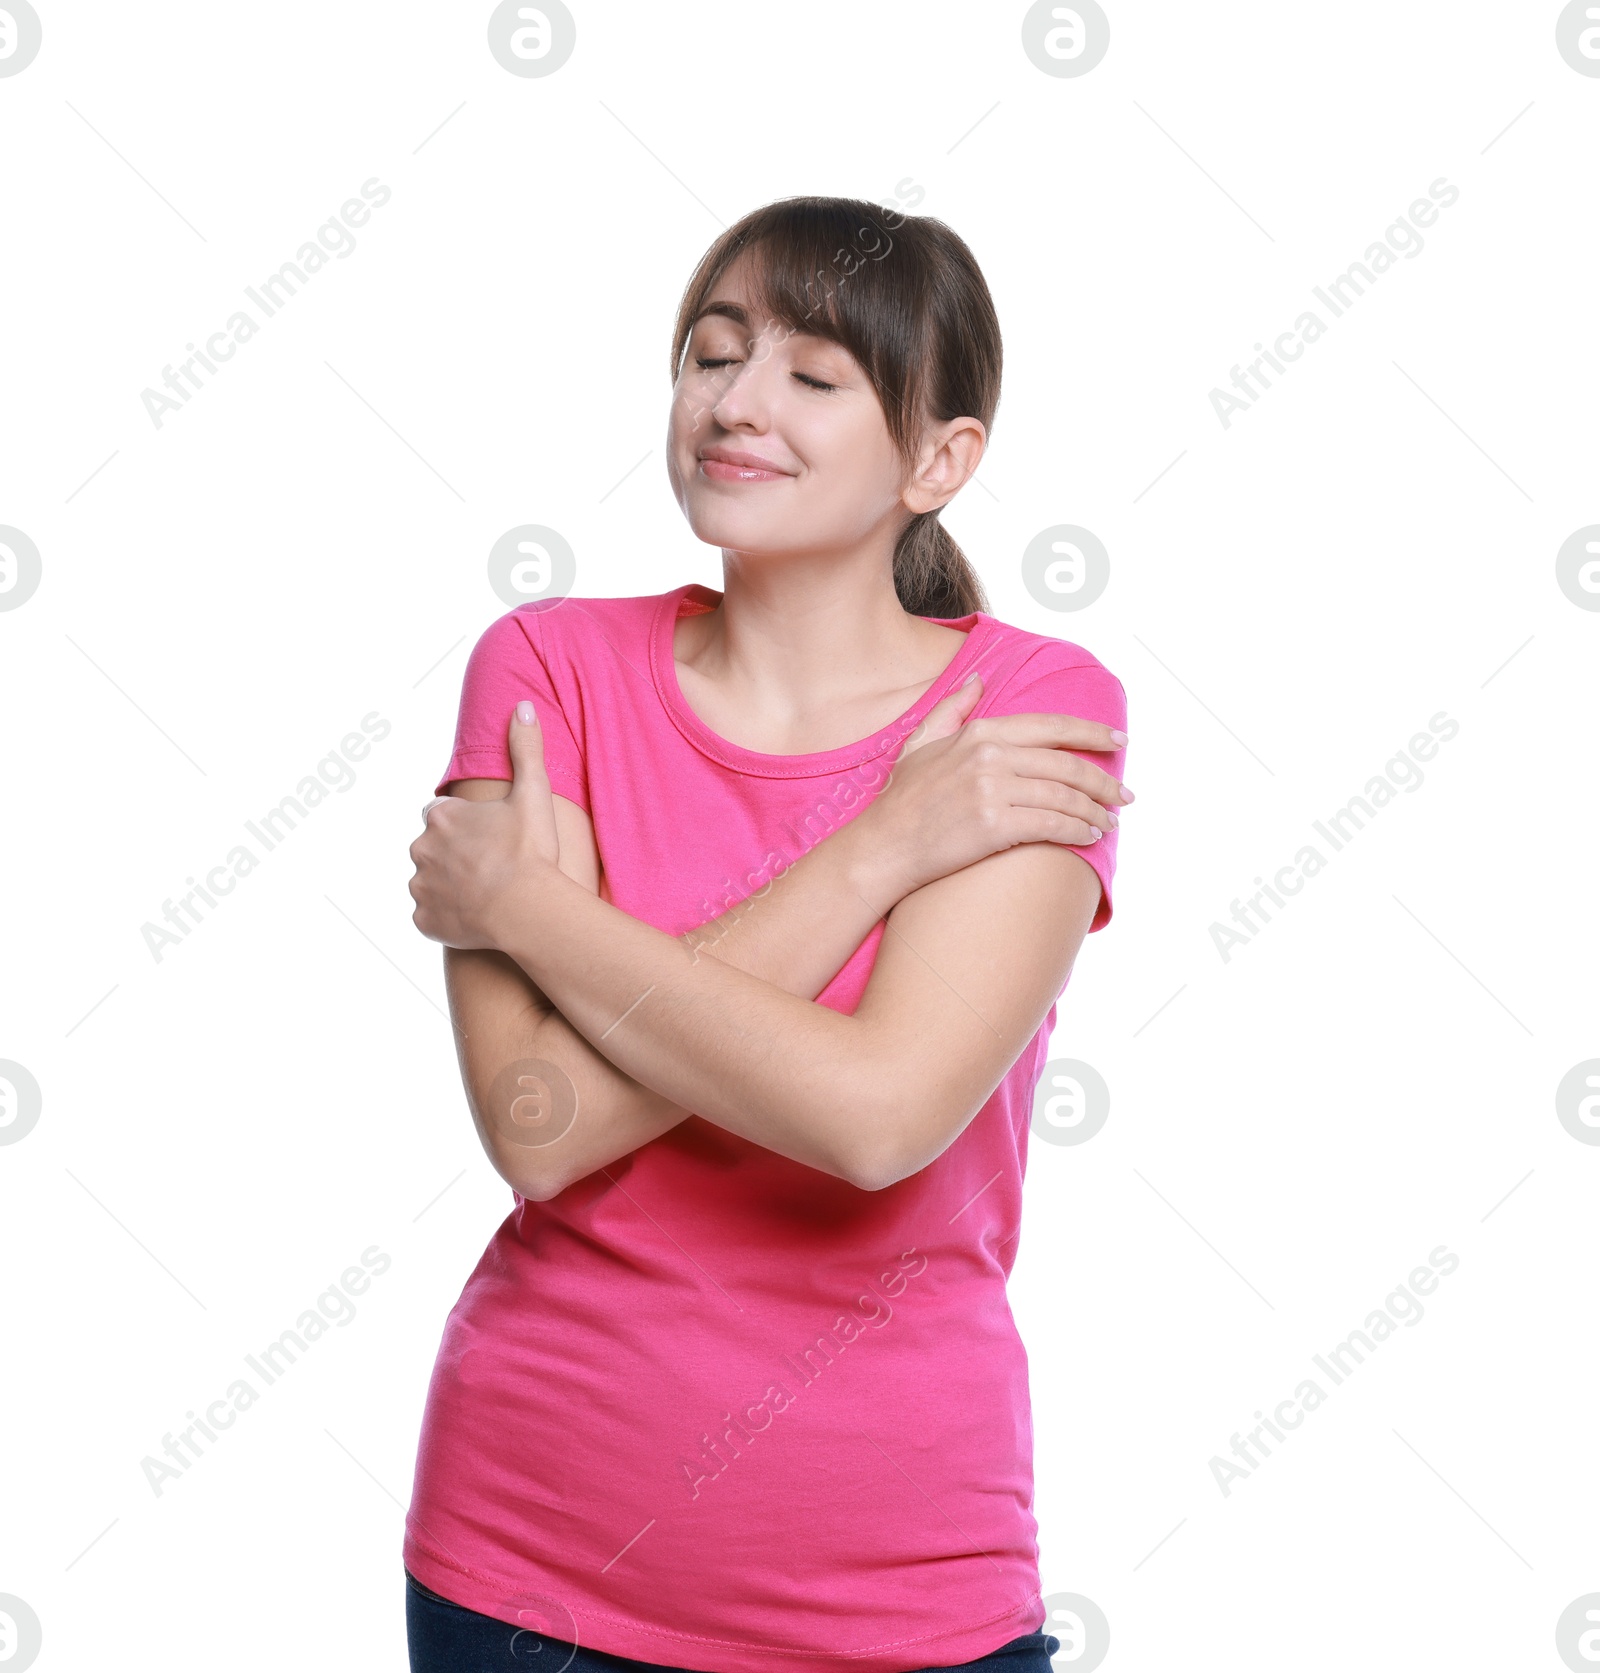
[[932, 576]]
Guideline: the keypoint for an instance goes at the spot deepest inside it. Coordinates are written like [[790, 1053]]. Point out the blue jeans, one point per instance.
[[445, 1638]]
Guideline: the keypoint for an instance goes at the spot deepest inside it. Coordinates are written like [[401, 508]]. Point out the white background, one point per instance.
[[1292, 1130]]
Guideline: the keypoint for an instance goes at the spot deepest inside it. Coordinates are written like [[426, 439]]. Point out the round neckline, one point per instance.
[[978, 627]]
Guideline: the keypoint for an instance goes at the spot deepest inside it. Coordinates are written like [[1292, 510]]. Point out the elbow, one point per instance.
[[877, 1172], [889, 1148], [536, 1185], [876, 1156], [874, 1180], [532, 1171], [850, 1163], [529, 1170]]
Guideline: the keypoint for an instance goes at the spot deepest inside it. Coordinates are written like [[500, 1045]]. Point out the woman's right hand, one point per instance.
[[961, 790]]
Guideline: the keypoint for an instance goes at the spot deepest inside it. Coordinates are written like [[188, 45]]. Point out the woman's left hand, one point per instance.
[[472, 853]]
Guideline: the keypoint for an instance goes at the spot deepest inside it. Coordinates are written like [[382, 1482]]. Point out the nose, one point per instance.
[[745, 399]]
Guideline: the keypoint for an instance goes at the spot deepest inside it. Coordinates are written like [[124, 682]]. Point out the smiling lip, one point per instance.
[[728, 464]]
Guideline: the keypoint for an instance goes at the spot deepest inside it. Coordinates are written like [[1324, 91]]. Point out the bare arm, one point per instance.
[[799, 932], [968, 969], [802, 928], [501, 1020]]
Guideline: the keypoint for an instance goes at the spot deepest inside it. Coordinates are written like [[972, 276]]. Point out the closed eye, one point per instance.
[[810, 382]]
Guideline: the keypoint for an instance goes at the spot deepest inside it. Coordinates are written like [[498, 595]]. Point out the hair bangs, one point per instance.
[[826, 267]]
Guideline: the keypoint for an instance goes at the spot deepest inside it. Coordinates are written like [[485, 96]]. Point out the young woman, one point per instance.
[[752, 971]]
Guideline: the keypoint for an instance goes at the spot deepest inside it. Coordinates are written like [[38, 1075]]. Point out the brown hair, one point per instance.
[[906, 297]]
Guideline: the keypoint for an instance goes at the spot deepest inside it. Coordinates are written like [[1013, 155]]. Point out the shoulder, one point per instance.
[[567, 630], [1041, 664], [557, 619]]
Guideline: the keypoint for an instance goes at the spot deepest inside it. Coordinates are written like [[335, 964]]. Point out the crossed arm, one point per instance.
[[647, 1029]]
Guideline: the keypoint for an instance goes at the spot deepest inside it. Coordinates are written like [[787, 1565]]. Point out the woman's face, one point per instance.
[[777, 440]]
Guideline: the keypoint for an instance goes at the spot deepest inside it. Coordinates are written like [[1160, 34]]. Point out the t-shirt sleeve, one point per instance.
[[1064, 679], [508, 664]]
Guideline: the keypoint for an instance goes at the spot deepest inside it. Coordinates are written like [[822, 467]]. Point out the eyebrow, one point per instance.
[[741, 316], [727, 310]]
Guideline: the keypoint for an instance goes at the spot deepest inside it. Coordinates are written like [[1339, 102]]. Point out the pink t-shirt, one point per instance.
[[710, 1407]]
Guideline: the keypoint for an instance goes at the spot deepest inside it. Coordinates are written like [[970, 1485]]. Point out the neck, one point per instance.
[[807, 647]]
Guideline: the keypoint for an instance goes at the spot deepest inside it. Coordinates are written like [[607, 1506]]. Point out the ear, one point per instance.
[[949, 455]]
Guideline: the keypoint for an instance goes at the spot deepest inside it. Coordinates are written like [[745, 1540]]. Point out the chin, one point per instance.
[[726, 526]]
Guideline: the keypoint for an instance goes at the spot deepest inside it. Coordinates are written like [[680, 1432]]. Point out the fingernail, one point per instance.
[[1094, 833], [1127, 794], [525, 713], [968, 681], [1111, 814], [1118, 738]]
